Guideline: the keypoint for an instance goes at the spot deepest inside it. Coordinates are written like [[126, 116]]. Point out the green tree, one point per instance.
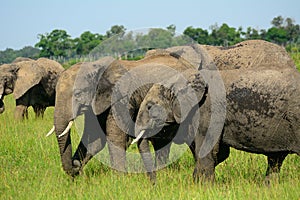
[[293, 30], [172, 29], [87, 42], [9, 55], [277, 35], [115, 30], [28, 52], [277, 21], [57, 43], [198, 34], [225, 35], [252, 34]]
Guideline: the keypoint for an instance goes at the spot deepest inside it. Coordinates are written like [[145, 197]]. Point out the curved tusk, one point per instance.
[[51, 131], [138, 137], [67, 129]]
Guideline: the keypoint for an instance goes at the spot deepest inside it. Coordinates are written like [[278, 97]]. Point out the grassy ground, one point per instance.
[[296, 58], [31, 169]]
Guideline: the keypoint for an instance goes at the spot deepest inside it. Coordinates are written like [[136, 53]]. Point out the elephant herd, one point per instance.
[[246, 96]]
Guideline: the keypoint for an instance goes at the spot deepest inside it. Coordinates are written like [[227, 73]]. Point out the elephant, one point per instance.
[[95, 89], [32, 84], [244, 55], [97, 108], [261, 108]]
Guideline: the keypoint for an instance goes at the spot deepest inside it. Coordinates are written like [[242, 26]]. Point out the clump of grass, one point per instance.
[[31, 169], [296, 57]]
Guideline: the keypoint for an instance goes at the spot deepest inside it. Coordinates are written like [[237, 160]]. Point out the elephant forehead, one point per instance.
[[158, 93]]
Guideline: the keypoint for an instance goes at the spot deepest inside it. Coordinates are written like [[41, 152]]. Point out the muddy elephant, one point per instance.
[[98, 90], [251, 54], [260, 113], [32, 84]]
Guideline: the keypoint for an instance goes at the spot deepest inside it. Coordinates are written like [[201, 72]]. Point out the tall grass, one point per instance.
[[31, 169], [296, 57]]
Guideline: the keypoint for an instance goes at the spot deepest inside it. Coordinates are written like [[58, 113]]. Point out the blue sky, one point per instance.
[[22, 20]]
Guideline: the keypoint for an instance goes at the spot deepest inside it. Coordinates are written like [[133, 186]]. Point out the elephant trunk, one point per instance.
[[64, 143]]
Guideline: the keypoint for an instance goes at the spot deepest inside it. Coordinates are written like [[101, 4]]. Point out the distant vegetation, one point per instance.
[[61, 46]]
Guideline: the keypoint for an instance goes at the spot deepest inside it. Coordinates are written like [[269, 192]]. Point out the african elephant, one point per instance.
[[113, 82], [32, 84], [251, 54], [260, 112]]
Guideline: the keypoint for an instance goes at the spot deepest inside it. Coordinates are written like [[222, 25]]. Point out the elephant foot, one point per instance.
[[204, 176], [152, 177], [76, 169]]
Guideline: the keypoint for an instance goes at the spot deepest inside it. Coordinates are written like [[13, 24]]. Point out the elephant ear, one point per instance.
[[52, 69], [28, 75], [102, 99], [188, 91]]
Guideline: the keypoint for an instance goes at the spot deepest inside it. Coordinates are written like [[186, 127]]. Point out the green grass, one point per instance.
[[296, 58], [31, 169]]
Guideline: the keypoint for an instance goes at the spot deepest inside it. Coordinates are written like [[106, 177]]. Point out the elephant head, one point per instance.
[[170, 102]]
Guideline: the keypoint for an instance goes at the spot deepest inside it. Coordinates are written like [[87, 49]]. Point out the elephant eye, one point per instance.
[[76, 94], [149, 105]]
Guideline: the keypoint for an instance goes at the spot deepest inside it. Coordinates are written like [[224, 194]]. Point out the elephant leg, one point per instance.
[[117, 144], [144, 149], [39, 110], [21, 112], [204, 167], [92, 141], [192, 147], [275, 161], [162, 152], [85, 153]]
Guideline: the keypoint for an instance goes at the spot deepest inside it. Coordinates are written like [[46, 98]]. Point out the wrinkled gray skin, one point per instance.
[[263, 116], [77, 95], [251, 54], [32, 84], [72, 102]]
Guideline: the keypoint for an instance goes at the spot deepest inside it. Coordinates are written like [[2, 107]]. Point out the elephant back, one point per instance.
[[20, 59], [250, 54], [190, 53]]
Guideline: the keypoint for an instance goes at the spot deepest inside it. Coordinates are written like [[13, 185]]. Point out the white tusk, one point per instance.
[[51, 131], [67, 129], [138, 137]]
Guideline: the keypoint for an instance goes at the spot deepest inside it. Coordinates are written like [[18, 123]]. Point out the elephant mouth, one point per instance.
[[81, 109]]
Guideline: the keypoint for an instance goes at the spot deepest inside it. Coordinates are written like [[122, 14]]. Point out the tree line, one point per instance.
[[58, 43]]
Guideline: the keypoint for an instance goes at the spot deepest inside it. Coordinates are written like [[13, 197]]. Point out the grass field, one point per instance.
[[31, 169]]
